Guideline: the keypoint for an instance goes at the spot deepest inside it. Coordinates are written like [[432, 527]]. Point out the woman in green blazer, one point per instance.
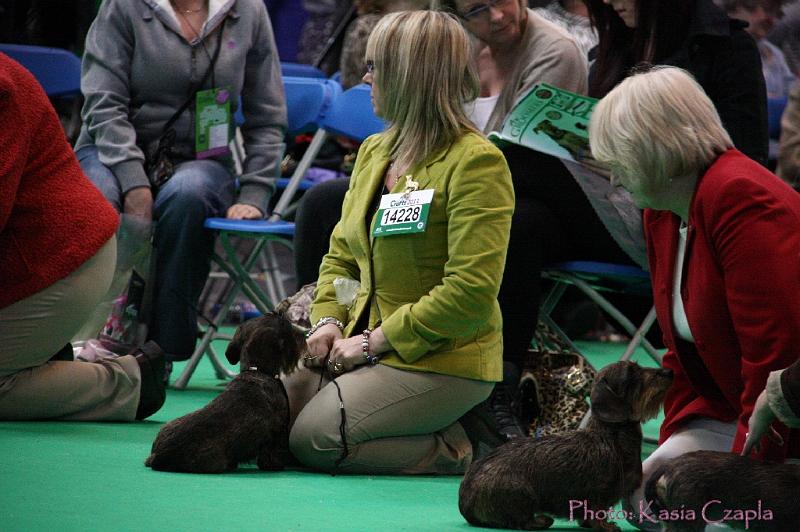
[[407, 320]]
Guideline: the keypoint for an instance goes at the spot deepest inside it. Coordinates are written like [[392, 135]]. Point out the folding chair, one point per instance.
[[300, 70], [593, 279], [57, 71], [349, 114]]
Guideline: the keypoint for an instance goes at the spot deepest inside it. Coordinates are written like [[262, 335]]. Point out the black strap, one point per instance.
[[199, 85]]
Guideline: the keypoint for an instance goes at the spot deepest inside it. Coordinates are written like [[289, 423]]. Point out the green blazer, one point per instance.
[[434, 293]]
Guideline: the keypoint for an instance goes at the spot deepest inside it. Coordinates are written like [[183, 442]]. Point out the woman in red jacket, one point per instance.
[[723, 239], [57, 256]]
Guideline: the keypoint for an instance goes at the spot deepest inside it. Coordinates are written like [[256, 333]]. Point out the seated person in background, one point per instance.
[[789, 153], [722, 234], [573, 16], [417, 342], [786, 36], [142, 62], [57, 256], [695, 35], [761, 16], [553, 218], [355, 39]]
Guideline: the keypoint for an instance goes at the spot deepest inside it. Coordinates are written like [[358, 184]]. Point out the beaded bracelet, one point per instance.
[[371, 359], [324, 321]]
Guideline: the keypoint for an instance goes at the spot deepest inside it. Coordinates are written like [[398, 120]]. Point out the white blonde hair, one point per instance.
[[423, 77], [657, 125]]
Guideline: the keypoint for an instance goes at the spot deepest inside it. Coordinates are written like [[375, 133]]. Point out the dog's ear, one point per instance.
[[234, 351], [609, 394]]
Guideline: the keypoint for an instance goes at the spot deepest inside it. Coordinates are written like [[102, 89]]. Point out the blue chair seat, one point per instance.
[[251, 227], [605, 276], [593, 278], [304, 184]]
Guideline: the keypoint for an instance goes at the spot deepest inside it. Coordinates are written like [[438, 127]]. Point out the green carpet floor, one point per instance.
[[90, 476]]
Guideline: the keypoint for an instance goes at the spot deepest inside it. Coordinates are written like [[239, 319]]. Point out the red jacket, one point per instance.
[[741, 292], [52, 218]]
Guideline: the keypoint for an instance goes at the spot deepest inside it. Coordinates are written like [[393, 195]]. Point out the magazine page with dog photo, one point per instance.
[[555, 121]]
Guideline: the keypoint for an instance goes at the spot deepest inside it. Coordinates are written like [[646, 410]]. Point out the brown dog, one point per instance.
[[250, 418], [701, 487], [576, 475]]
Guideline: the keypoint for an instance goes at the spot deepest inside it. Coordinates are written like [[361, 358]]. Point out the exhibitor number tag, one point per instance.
[[401, 214]]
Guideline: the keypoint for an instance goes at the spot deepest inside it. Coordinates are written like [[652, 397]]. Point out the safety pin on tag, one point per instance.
[[411, 186]]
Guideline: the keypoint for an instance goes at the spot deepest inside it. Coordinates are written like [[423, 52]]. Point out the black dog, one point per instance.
[[250, 418], [577, 475], [696, 488]]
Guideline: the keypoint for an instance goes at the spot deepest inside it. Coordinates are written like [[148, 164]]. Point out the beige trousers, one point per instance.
[[397, 421], [34, 329]]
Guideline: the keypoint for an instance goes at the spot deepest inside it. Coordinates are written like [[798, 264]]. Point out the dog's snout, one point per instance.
[[665, 372]]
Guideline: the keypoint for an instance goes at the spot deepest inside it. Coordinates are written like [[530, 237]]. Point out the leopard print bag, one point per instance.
[[557, 380]]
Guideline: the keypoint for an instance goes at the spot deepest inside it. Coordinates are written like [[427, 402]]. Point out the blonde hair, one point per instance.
[[423, 77], [657, 125]]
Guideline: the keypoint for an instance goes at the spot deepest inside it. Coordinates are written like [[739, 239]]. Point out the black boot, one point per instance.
[[501, 404], [150, 358], [480, 429]]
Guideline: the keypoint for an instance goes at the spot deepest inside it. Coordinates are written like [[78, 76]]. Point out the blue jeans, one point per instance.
[[183, 247]]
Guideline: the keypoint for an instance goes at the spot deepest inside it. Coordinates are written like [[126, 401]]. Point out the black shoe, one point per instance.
[[480, 429], [150, 358], [501, 404]]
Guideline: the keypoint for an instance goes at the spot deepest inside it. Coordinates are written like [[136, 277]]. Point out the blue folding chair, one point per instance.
[[594, 279], [57, 71], [349, 114], [300, 70]]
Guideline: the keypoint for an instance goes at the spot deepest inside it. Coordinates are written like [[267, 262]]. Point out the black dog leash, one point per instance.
[[342, 412]]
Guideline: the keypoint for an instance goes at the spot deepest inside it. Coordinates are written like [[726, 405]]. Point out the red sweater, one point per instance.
[[52, 218], [741, 293]]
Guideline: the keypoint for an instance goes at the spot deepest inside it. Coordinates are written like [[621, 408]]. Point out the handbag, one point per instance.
[[557, 380], [159, 161]]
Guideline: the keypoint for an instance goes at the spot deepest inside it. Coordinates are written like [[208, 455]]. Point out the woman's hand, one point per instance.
[[760, 421], [320, 344], [242, 211], [346, 354], [349, 352]]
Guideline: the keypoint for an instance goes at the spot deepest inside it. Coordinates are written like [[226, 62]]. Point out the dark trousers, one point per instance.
[[183, 247], [553, 221], [317, 214]]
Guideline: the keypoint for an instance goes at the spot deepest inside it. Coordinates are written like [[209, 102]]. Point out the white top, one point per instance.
[[678, 312], [481, 109]]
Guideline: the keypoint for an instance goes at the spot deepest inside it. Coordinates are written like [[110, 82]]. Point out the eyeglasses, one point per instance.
[[482, 10], [370, 67]]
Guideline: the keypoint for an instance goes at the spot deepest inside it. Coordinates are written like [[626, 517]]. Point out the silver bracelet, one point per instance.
[[325, 320]]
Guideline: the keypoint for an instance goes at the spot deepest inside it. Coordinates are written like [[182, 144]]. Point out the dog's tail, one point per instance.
[[655, 489]]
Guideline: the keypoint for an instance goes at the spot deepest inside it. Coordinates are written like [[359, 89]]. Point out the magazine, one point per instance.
[[556, 122], [550, 120]]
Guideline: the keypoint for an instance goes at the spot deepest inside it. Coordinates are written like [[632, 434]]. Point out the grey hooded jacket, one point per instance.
[[138, 69]]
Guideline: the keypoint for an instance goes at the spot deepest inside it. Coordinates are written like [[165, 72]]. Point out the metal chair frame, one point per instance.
[[594, 278]]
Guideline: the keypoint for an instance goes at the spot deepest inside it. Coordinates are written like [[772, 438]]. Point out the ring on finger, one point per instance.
[[338, 367]]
